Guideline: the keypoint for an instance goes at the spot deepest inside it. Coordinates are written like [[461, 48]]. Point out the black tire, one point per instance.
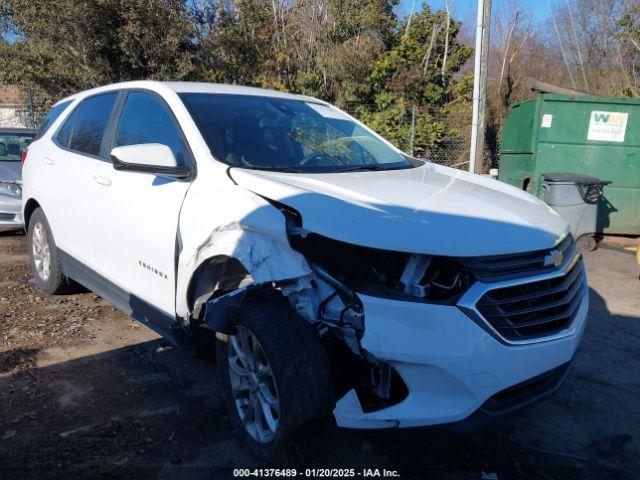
[[302, 375], [56, 283]]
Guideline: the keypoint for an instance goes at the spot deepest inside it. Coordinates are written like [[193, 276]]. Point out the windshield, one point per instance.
[[289, 135], [12, 145]]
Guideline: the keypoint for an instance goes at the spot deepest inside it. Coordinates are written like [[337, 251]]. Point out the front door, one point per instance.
[[137, 219]]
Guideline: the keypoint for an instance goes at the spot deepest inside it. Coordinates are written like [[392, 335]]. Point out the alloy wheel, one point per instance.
[[253, 386], [41, 251]]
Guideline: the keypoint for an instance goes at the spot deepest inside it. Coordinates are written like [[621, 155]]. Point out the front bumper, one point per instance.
[[451, 366], [10, 213]]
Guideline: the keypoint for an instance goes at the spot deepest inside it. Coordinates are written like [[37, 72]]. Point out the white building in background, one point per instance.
[[13, 112]]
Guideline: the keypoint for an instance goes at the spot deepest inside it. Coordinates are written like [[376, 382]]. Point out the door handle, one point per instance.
[[102, 180], [47, 161]]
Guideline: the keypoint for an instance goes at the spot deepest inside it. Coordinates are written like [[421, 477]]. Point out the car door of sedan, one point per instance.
[[137, 219]]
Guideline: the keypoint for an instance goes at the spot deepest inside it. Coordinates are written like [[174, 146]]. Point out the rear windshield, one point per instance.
[[289, 135], [12, 145]]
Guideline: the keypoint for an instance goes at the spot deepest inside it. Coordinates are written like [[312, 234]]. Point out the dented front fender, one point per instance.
[[242, 226]]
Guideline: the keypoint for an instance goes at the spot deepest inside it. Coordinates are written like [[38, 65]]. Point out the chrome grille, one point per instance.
[[500, 267], [537, 309]]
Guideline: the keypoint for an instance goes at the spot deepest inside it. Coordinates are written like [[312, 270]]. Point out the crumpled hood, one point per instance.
[[431, 210], [10, 171]]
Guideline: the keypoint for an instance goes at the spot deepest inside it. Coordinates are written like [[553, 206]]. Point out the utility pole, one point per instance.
[[481, 64]]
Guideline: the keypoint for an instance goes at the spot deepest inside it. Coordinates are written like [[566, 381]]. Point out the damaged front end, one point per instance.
[[329, 298], [404, 352]]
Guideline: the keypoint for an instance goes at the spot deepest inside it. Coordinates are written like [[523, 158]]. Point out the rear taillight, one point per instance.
[[24, 155]]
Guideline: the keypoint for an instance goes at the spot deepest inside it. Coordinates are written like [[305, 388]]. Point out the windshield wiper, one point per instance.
[[369, 168], [275, 168]]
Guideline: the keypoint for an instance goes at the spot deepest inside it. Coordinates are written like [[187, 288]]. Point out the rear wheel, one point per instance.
[[276, 378], [45, 261]]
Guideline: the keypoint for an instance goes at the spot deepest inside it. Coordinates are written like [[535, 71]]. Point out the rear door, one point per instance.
[[136, 219], [70, 203]]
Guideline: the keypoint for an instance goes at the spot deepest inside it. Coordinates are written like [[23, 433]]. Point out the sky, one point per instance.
[[463, 8]]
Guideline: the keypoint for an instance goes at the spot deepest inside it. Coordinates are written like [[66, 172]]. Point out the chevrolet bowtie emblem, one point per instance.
[[554, 259]]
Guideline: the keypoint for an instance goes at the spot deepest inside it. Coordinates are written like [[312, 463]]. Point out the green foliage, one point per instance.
[[412, 66], [235, 44], [351, 52], [81, 44], [393, 118], [309, 83], [406, 82]]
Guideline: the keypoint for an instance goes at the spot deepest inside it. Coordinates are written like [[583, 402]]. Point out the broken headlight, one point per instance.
[[386, 273], [438, 279]]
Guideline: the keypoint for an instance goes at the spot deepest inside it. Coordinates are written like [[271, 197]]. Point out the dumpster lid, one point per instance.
[[574, 178]]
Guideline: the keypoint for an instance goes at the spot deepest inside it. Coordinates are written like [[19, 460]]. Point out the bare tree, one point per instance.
[[446, 40], [595, 45], [562, 49], [437, 27], [413, 9], [578, 47]]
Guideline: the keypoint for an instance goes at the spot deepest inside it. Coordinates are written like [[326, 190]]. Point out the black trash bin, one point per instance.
[[576, 198]]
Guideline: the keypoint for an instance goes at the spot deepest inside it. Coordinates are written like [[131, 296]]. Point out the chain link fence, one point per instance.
[[447, 133]]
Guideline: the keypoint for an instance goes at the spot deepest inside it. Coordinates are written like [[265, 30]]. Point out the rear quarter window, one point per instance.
[[84, 129], [64, 135]]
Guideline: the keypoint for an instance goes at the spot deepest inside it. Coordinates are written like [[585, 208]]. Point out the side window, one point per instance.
[[146, 118], [91, 121], [51, 117], [64, 135]]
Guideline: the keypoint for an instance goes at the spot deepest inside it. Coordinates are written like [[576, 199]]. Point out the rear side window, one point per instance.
[[51, 117], [64, 135], [85, 127], [146, 118]]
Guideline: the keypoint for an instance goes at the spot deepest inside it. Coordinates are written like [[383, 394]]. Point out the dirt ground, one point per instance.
[[86, 392]]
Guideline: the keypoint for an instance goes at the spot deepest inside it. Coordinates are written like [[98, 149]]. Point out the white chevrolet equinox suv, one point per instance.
[[333, 274]]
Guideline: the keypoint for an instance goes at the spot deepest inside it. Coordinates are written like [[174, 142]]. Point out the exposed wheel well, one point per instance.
[[29, 208], [216, 276]]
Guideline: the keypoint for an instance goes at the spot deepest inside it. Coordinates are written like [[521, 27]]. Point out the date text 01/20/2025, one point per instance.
[[316, 473]]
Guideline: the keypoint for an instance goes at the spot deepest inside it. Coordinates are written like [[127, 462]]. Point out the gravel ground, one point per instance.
[[86, 392]]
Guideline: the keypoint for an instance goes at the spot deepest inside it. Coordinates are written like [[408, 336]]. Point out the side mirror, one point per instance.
[[153, 158]]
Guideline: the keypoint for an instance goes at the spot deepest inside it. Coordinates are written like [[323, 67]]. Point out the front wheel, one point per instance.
[[253, 386], [276, 378]]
